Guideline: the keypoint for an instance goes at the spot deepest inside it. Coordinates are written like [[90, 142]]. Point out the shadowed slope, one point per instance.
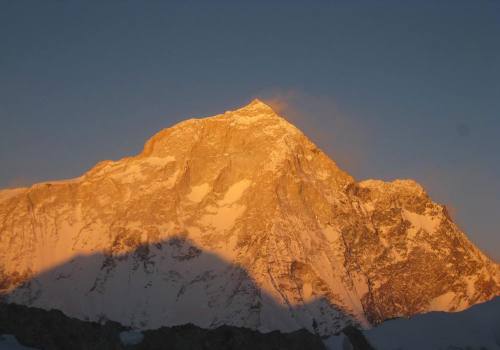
[[169, 283]]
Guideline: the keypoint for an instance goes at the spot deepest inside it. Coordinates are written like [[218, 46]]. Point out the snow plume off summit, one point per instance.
[[236, 219]]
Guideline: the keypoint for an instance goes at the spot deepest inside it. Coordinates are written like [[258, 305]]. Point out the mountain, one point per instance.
[[473, 329], [237, 219], [52, 330], [476, 328]]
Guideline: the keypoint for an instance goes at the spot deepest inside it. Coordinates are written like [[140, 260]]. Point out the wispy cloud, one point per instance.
[[342, 136], [352, 142]]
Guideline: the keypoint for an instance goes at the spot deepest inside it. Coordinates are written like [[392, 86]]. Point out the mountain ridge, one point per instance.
[[251, 188]]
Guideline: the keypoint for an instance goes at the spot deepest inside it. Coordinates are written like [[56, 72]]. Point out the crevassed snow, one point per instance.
[[9, 342]]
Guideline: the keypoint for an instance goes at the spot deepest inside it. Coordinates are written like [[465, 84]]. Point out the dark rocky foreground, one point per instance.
[[52, 330], [356, 339]]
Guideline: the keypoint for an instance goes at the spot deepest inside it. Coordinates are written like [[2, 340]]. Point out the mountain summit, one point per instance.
[[236, 219]]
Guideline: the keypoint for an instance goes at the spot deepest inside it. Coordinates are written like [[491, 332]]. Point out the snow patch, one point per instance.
[[331, 234], [235, 192], [224, 214], [427, 223], [223, 218], [442, 302], [198, 192], [307, 290]]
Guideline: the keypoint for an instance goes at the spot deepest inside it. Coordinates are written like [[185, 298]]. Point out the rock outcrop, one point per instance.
[[52, 330], [237, 219]]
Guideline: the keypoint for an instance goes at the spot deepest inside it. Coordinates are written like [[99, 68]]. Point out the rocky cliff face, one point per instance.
[[236, 219]]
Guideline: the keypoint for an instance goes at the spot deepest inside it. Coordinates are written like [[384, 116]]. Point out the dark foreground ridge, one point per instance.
[[52, 330], [356, 338]]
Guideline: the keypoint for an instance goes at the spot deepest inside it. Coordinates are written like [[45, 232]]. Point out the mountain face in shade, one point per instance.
[[236, 219]]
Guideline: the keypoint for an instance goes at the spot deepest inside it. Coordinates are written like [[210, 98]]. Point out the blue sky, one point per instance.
[[390, 89]]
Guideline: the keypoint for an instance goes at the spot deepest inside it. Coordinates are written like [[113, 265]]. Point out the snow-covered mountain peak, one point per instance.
[[236, 219], [258, 106], [259, 115], [254, 122]]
